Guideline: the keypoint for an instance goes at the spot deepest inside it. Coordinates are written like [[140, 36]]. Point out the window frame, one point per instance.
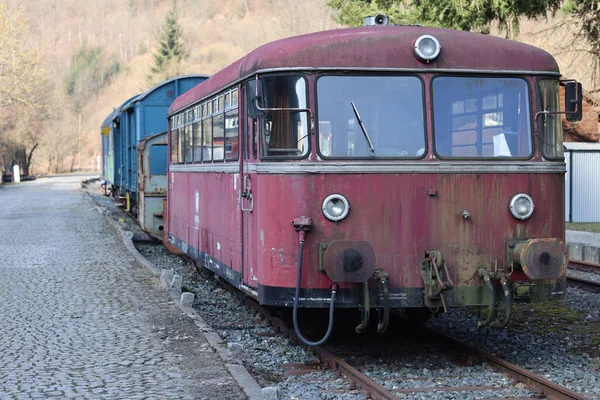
[[201, 113], [488, 76], [539, 123], [261, 122], [423, 102]]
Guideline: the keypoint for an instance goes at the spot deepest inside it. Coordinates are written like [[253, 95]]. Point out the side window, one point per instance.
[[174, 140], [550, 125], [189, 156], [231, 135], [207, 133], [284, 133], [197, 140], [180, 139], [218, 137]]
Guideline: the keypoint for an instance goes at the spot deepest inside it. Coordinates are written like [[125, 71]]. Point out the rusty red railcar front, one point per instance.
[[376, 168]]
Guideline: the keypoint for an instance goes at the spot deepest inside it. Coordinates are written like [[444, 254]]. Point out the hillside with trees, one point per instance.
[[76, 61], [65, 64]]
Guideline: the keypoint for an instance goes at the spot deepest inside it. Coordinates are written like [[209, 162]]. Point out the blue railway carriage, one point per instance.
[[143, 116], [111, 149]]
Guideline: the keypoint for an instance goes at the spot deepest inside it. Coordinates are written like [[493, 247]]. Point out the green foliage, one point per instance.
[[89, 72], [473, 15], [170, 52]]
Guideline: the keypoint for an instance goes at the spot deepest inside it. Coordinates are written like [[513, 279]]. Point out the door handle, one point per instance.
[[248, 196]]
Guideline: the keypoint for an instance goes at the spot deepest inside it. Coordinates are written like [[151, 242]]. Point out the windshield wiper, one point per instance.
[[363, 127]]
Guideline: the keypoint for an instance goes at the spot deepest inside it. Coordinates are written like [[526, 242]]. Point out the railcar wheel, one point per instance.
[[418, 316]]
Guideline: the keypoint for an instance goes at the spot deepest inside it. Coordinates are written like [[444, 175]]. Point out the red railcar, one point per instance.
[[420, 168]]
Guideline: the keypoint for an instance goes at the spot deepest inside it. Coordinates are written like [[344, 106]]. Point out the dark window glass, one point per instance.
[[390, 107], [197, 134], [207, 139], [180, 144], [231, 135], [254, 136], [481, 117], [189, 155], [218, 137], [173, 145]]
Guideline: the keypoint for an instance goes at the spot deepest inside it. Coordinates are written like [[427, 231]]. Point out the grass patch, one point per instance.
[[583, 226]]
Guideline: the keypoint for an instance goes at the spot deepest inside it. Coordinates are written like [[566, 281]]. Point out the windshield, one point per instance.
[[481, 117], [370, 116], [550, 125]]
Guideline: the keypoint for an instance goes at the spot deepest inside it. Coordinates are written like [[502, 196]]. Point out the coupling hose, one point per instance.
[[295, 313]]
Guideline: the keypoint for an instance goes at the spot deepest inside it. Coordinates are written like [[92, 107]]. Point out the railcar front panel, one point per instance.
[[401, 215]]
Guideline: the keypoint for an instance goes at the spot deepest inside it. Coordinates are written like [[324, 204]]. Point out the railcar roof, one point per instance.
[[377, 47], [143, 95], [108, 120]]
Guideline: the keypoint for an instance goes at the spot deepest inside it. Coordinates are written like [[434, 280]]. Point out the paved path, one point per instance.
[[79, 318]]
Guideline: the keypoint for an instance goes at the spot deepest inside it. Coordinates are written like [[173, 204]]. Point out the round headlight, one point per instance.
[[521, 206], [427, 48], [335, 207]]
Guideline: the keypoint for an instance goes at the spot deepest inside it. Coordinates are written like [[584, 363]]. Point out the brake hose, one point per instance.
[[295, 314]]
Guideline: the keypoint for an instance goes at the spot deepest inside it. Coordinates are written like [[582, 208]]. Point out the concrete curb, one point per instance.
[[241, 375], [584, 252]]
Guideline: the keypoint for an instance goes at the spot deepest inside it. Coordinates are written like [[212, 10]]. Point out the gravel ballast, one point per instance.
[[559, 341]]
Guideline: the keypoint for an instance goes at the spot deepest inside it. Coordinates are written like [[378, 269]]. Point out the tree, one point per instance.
[[22, 105], [587, 12], [468, 15], [90, 71], [20, 70], [170, 52]]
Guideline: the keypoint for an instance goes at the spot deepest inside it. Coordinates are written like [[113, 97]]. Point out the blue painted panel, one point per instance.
[[155, 119], [158, 159], [142, 116]]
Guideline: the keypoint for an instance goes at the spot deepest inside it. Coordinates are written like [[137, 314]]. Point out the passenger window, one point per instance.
[[231, 135], [284, 133], [180, 140], [197, 134], [207, 139], [218, 137], [174, 140], [189, 155]]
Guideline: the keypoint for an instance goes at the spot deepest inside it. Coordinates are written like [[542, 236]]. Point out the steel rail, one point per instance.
[[590, 286], [368, 386], [375, 391], [531, 380], [584, 266], [356, 378]]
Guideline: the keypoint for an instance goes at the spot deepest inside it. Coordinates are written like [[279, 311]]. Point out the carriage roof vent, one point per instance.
[[378, 20]]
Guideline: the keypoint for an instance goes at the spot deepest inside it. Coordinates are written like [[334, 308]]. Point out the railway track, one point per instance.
[[581, 282], [358, 379]]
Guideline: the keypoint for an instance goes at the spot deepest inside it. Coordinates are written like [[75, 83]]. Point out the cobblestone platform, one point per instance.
[[79, 318]]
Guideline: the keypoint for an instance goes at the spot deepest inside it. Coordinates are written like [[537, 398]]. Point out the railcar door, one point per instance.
[[246, 192]]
